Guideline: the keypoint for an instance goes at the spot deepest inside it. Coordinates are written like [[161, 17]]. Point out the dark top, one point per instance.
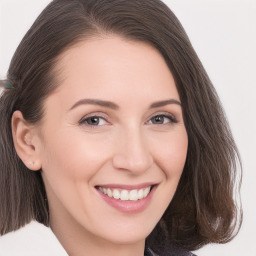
[[178, 252]]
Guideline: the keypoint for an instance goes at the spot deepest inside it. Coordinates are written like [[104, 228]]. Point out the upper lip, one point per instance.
[[127, 187]]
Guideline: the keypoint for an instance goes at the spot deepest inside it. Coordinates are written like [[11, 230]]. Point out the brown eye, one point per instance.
[[163, 119], [93, 121], [158, 119]]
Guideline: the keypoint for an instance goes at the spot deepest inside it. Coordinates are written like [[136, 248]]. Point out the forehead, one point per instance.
[[115, 64]]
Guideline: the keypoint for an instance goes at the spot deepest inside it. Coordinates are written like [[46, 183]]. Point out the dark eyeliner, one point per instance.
[[171, 117], [165, 115], [84, 120]]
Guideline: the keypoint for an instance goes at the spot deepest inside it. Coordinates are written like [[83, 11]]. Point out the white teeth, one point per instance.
[[116, 194], [133, 195], [109, 192], [125, 195], [146, 191], [141, 194]]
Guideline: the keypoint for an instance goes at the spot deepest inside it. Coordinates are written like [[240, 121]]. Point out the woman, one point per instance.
[[113, 134]]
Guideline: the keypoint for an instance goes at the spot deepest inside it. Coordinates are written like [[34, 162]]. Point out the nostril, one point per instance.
[[133, 164]]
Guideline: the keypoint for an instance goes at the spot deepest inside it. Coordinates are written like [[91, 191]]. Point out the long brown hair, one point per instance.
[[203, 209]]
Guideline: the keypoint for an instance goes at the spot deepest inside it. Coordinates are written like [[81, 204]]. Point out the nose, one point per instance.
[[132, 152]]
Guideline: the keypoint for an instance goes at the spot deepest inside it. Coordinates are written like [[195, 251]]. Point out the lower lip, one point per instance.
[[129, 206]]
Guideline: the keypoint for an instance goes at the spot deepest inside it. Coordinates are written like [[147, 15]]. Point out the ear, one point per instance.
[[23, 137]]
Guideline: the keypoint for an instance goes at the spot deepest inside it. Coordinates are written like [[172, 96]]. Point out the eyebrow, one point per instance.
[[114, 106], [164, 103], [97, 102]]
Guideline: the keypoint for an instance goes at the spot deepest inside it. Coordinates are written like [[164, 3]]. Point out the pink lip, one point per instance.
[[128, 206]]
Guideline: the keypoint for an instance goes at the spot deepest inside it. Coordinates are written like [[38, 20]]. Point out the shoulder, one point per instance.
[[33, 239]]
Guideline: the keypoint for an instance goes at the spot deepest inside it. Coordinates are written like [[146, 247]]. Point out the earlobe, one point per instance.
[[23, 139]]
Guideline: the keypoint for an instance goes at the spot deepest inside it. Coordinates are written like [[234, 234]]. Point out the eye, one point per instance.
[[93, 121], [162, 119]]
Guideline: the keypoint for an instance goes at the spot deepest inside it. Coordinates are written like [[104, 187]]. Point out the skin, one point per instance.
[[130, 144]]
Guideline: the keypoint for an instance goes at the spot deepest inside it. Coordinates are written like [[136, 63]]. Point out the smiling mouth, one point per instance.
[[124, 194]]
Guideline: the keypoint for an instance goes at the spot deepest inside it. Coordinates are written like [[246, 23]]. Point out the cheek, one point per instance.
[[172, 158], [172, 154], [72, 156], [70, 162]]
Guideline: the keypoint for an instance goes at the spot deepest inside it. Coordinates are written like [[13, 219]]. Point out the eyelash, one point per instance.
[[84, 120], [171, 118]]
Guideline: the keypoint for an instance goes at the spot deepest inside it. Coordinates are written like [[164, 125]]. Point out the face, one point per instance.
[[112, 143]]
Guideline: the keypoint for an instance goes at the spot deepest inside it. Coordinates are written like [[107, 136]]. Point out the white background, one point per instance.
[[224, 35]]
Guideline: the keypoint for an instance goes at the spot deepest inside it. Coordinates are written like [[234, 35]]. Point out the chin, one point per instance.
[[129, 235]]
